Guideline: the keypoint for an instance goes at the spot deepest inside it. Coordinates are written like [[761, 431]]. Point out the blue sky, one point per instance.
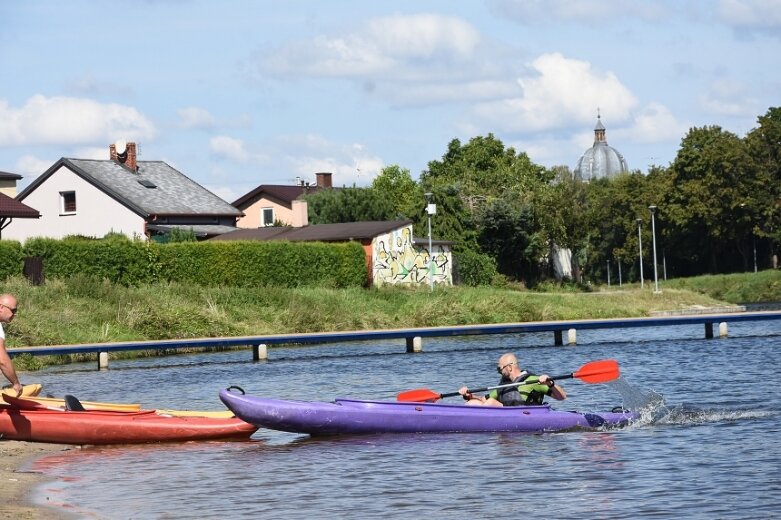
[[240, 93]]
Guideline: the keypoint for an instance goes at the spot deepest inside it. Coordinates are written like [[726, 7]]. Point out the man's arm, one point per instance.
[[7, 368]]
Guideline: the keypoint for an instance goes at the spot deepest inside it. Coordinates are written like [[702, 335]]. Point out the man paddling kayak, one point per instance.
[[531, 389]]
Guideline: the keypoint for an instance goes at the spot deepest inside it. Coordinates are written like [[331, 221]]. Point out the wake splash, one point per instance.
[[654, 410]]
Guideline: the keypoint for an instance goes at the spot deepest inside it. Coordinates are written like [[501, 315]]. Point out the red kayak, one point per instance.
[[103, 427]]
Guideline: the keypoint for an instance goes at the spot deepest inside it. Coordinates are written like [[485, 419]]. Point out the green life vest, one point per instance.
[[530, 391]]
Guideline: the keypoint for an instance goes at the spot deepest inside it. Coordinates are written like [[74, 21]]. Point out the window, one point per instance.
[[267, 217], [67, 202]]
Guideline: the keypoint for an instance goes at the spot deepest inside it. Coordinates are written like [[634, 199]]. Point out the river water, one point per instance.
[[708, 445]]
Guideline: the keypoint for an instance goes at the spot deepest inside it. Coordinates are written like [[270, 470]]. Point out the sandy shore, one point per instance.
[[16, 482]]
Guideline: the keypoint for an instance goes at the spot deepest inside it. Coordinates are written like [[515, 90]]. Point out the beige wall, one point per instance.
[[96, 213], [8, 187], [296, 216]]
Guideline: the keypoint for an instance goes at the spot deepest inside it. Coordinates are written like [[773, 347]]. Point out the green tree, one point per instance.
[[332, 206], [396, 185], [711, 177], [763, 205]]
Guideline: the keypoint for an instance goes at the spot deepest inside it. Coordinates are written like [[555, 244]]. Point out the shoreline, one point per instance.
[[17, 482]]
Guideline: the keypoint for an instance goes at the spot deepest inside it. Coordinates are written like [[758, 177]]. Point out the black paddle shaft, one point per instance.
[[508, 385]]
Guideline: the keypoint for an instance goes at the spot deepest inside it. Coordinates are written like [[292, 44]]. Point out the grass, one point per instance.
[[83, 310]]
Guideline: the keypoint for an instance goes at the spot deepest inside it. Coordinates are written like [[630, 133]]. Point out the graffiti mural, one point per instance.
[[399, 259]]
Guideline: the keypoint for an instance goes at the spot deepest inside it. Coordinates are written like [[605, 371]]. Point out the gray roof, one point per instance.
[[155, 189], [320, 232], [600, 161], [200, 230]]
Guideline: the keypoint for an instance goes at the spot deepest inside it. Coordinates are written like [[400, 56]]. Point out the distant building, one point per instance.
[[277, 203], [120, 194], [600, 161]]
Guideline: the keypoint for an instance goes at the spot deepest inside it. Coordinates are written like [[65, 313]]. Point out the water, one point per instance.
[[707, 446]]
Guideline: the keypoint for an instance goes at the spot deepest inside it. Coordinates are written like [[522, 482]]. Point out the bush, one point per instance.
[[120, 260], [11, 258], [474, 269]]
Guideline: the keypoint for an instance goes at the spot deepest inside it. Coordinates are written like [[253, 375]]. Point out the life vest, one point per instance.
[[528, 392]]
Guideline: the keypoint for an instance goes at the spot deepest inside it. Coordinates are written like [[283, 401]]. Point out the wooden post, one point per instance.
[[557, 341], [102, 360], [708, 330], [414, 345], [259, 352]]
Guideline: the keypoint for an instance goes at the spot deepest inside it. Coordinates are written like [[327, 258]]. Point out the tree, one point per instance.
[[711, 175], [764, 203], [397, 186], [331, 206]]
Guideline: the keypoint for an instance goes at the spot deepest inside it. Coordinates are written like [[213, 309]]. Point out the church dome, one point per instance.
[[600, 161]]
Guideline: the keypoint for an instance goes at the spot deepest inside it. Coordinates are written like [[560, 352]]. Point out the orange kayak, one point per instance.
[[110, 427], [55, 403]]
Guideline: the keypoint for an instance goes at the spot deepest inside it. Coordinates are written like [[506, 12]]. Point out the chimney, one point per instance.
[[323, 180], [127, 157]]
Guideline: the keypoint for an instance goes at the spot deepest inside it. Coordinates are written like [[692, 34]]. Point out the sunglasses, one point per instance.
[[12, 309], [501, 369]]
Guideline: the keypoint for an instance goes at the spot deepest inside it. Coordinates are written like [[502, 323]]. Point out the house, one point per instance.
[[120, 194], [11, 208], [393, 255], [270, 203], [8, 183]]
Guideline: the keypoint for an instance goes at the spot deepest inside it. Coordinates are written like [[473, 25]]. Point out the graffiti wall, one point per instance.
[[398, 260]]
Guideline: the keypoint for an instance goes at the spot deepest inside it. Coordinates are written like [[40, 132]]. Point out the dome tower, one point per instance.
[[600, 160]]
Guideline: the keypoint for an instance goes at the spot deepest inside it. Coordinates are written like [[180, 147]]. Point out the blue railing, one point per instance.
[[411, 335]]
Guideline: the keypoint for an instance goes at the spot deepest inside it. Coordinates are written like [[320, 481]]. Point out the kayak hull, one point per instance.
[[353, 416], [102, 427]]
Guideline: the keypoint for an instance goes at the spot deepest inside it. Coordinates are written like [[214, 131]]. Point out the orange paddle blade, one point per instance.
[[598, 371], [420, 395]]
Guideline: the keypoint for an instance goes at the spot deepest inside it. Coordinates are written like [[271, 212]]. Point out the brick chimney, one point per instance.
[[323, 180], [128, 158]]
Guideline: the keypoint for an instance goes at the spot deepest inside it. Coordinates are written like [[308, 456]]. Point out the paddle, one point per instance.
[[593, 372]]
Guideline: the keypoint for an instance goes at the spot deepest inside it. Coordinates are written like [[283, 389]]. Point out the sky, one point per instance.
[[239, 93]]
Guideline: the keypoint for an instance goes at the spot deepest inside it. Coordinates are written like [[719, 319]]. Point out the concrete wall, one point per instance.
[[397, 260], [96, 213]]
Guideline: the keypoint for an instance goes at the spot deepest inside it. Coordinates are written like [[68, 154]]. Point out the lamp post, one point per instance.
[[653, 236], [753, 240], [640, 245], [431, 209]]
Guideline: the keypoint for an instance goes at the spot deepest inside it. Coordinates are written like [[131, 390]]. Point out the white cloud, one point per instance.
[[229, 148], [350, 163], [195, 117], [582, 12], [31, 167], [396, 47], [66, 120], [654, 124], [751, 14], [728, 98], [436, 93], [559, 93]]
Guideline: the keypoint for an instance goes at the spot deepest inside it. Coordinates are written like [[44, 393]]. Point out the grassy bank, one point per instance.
[[81, 310]]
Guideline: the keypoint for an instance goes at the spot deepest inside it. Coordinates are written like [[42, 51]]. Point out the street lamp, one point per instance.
[[753, 240], [640, 245], [431, 209], [653, 236]]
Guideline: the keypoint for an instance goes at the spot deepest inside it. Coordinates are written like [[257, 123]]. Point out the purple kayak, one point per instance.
[[353, 416]]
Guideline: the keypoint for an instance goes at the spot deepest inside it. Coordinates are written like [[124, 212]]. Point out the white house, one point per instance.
[[136, 198]]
